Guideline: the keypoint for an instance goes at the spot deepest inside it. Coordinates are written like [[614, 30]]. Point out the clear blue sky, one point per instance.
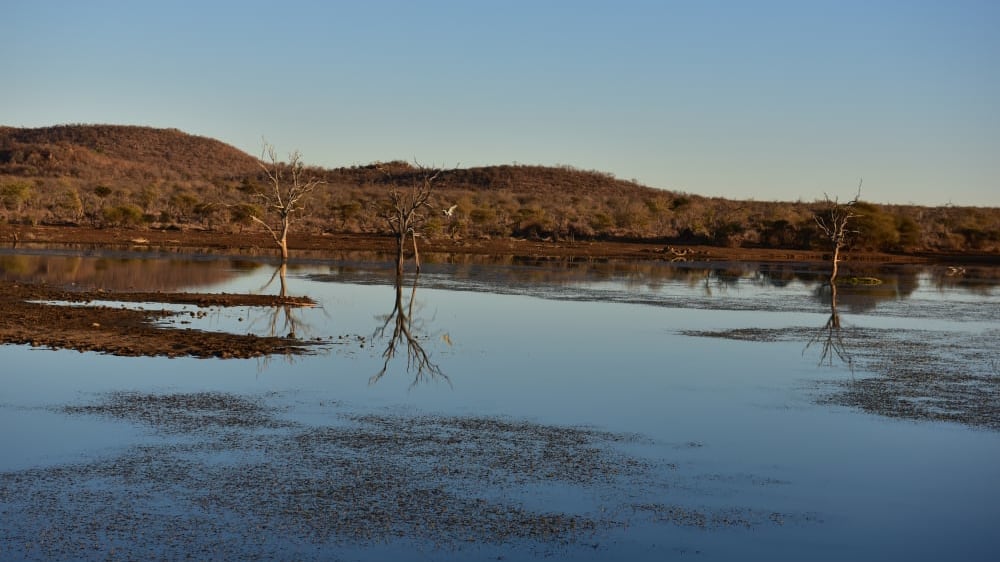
[[769, 100]]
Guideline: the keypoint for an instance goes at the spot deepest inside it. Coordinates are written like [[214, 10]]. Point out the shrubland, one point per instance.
[[109, 176]]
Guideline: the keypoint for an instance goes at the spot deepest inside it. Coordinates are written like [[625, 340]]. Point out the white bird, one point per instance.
[[450, 210]]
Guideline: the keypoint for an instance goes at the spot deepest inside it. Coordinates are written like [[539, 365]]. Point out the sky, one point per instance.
[[764, 100]]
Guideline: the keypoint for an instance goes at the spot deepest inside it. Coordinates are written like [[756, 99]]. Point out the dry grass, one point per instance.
[[105, 175]]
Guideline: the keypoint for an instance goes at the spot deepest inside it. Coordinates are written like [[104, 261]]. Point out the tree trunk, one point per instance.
[[836, 261], [416, 252], [400, 242], [283, 278], [834, 316], [283, 242]]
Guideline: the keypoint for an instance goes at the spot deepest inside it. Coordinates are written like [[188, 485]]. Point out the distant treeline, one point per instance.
[[118, 176]]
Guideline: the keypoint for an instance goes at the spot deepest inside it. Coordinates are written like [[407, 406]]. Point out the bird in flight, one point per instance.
[[450, 210]]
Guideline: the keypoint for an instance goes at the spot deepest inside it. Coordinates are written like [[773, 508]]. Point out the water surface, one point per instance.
[[742, 456]]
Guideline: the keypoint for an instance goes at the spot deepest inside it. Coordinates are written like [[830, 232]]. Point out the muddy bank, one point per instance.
[[229, 478], [30, 318], [331, 243]]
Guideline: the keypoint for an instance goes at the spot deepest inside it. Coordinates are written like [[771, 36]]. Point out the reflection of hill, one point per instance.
[[858, 298], [975, 280], [524, 270], [113, 272], [506, 272]]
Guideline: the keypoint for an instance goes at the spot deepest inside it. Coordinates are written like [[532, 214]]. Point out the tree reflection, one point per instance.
[[401, 328], [282, 320], [830, 336], [281, 273]]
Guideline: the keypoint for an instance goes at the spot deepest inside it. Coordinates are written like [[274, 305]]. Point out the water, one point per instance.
[[734, 429]]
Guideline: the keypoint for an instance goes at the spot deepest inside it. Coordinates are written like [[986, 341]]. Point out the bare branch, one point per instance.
[[289, 184], [268, 227], [405, 213], [833, 221]]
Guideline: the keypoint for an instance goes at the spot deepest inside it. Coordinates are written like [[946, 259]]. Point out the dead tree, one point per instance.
[[405, 213], [289, 183], [834, 220]]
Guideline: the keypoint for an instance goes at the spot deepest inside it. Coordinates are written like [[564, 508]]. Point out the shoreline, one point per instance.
[[330, 244]]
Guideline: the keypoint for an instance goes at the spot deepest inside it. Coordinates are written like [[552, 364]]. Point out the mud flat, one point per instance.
[[224, 476], [912, 374], [32, 315]]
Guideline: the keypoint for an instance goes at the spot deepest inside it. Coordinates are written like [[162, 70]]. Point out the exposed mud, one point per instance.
[[29, 317], [231, 479], [912, 374]]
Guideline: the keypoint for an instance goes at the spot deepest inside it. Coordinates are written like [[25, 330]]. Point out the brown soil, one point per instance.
[[127, 332], [332, 244]]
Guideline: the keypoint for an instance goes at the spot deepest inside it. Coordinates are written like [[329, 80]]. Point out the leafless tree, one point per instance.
[[406, 330], [288, 185], [834, 221], [406, 212]]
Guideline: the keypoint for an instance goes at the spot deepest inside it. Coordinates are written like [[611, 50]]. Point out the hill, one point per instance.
[[110, 175], [104, 153]]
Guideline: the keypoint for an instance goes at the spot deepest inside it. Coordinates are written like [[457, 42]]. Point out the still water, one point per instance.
[[736, 431]]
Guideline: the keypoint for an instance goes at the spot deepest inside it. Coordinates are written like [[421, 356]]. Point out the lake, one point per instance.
[[517, 409]]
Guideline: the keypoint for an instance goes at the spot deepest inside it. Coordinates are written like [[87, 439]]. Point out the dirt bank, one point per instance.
[[28, 319], [331, 244]]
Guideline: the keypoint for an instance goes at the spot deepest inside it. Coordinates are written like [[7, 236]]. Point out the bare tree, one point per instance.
[[405, 213], [834, 220], [289, 183]]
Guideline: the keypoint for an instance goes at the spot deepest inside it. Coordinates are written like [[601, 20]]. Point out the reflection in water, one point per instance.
[[283, 320], [409, 332], [829, 336], [112, 271], [868, 286], [975, 280], [280, 272]]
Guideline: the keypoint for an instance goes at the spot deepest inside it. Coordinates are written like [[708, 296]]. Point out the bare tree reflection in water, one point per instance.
[[282, 320], [281, 273], [409, 332], [830, 337]]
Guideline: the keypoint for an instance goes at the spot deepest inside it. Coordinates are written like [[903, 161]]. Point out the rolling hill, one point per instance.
[[113, 175]]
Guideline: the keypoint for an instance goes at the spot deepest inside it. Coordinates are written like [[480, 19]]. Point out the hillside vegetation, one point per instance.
[[110, 176]]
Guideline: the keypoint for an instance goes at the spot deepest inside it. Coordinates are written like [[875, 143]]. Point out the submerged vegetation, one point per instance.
[[116, 176]]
